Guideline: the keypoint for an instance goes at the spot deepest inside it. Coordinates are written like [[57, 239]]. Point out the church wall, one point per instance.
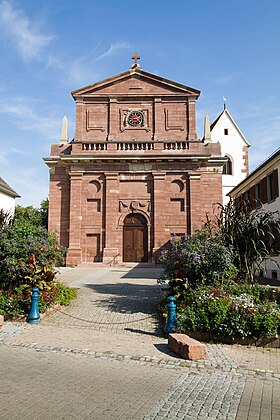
[[163, 119], [59, 204], [113, 169]]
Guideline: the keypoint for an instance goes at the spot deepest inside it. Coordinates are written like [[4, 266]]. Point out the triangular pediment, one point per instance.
[[136, 82]]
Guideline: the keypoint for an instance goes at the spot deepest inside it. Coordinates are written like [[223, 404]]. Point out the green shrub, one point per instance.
[[233, 310], [251, 231], [65, 294], [16, 303], [196, 260], [28, 256]]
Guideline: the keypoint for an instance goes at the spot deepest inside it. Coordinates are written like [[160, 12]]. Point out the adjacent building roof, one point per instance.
[[273, 157], [6, 189]]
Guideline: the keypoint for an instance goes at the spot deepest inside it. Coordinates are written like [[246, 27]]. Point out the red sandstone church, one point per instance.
[[135, 173]]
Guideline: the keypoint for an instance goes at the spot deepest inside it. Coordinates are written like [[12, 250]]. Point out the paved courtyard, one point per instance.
[[105, 357]]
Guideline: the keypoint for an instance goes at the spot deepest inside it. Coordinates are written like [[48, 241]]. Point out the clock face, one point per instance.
[[135, 118]]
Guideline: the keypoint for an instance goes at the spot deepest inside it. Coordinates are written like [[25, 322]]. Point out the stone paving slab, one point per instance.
[[117, 300], [152, 348], [45, 385]]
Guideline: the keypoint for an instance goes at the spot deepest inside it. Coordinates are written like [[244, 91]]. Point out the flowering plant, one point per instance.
[[196, 260], [28, 255], [232, 310]]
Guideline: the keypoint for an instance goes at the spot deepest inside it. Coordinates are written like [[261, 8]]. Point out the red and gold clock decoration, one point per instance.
[[135, 118]]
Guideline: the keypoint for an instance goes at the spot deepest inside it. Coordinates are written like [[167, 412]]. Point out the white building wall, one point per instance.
[[7, 203], [231, 146]]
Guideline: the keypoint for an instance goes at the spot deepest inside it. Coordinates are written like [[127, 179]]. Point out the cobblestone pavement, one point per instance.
[[105, 357]]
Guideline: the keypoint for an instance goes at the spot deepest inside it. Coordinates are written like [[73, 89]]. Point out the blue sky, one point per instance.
[[48, 48]]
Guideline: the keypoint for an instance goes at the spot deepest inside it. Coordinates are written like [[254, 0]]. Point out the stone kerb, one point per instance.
[[186, 347]]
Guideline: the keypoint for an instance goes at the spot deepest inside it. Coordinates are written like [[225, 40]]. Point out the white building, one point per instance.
[[234, 146], [7, 197], [262, 186]]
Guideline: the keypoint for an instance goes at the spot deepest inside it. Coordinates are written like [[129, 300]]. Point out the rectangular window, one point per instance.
[[274, 274], [226, 131]]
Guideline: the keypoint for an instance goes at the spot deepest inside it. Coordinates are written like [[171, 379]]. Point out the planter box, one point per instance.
[[267, 342]]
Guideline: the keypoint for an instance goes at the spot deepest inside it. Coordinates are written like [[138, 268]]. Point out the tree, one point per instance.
[[31, 215], [253, 234]]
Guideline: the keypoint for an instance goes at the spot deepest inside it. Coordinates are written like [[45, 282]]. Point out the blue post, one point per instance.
[[34, 315], [171, 315]]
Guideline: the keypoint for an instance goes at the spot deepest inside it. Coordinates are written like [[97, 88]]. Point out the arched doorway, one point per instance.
[[135, 238]]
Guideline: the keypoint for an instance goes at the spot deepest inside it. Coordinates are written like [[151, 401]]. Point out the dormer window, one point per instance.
[[227, 168], [226, 131]]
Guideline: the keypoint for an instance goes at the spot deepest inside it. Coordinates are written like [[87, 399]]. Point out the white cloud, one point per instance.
[[28, 119], [25, 34], [113, 49]]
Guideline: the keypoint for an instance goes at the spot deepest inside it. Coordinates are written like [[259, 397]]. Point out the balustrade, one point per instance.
[[135, 146], [94, 146], [178, 145]]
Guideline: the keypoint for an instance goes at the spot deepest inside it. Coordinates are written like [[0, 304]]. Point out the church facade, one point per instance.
[[135, 173]]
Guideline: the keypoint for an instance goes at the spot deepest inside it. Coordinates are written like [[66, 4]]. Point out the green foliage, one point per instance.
[[196, 260], [28, 255], [253, 234], [16, 303], [32, 216], [5, 218], [233, 310], [65, 294]]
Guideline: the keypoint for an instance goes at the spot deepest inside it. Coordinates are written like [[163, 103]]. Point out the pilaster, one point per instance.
[[195, 199], [74, 252], [113, 119], [159, 214], [158, 122], [191, 119], [113, 236]]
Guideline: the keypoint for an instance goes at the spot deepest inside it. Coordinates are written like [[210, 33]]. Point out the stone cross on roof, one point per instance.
[[136, 57]]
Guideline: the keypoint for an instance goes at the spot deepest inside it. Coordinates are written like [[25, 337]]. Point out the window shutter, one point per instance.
[[252, 197], [275, 184], [263, 191]]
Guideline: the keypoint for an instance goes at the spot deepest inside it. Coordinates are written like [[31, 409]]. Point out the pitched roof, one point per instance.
[[6, 189], [274, 155], [226, 112], [136, 72]]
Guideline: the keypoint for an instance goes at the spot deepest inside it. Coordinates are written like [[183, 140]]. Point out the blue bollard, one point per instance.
[[34, 315], [171, 315]]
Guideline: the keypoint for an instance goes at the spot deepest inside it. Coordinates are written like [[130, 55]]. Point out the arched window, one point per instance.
[[227, 169]]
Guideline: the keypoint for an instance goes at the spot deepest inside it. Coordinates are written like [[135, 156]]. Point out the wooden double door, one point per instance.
[[135, 238]]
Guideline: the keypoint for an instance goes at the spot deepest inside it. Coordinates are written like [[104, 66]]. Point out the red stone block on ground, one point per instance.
[[186, 347]]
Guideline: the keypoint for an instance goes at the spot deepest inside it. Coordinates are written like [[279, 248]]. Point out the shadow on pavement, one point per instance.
[[127, 297], [163, 348], [158, 333]]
